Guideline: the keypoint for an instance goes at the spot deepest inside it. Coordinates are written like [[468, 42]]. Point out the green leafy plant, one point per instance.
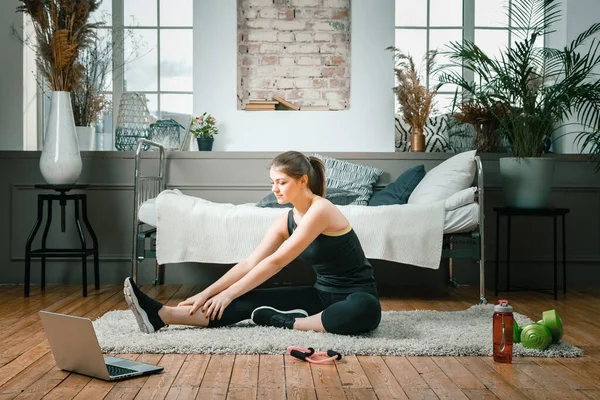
[[204, 126], [532, 90]]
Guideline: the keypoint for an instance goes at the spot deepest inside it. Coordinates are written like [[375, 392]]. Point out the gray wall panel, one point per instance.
[[238, 177]]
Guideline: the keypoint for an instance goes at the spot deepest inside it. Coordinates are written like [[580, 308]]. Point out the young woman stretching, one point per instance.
[[344, 298]]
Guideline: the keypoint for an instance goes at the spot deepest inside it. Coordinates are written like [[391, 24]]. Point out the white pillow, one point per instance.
[[446, 179], [464, 197]]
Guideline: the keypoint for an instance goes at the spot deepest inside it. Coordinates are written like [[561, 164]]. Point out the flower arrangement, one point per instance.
[[416, 101], [204, 126], [62, 30]]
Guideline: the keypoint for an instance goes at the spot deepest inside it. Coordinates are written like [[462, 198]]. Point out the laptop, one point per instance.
[[75, 348]]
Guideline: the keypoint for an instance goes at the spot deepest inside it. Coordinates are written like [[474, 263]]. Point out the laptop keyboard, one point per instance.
[[118, 371]]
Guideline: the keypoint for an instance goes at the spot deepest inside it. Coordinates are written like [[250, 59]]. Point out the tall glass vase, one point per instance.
[[60, 163]]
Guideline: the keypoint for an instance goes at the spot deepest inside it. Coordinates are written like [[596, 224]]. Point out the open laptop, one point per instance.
[[75, 348]]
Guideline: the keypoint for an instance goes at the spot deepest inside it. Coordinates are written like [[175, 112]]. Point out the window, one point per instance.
[[426, 25], [152, 54]]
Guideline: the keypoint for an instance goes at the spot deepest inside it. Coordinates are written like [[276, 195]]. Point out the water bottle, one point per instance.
[[503, 332]]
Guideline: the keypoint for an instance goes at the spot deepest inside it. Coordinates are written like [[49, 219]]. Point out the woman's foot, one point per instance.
[[269, 316], [144, 307]]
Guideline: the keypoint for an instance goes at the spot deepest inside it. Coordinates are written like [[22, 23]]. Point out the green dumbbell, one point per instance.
[[516, 333], [536, 336], [553, 321]]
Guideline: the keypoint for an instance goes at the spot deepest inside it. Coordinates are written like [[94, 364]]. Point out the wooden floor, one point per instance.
[[27, 369]]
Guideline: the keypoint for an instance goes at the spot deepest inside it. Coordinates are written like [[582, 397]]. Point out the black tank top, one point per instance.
[[338, 260]]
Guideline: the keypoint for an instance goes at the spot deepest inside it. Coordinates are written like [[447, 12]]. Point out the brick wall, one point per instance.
[[297, 49]]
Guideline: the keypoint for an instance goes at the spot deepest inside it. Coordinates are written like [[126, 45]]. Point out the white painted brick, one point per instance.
[[323, 37], [304, 37], [336, 4], [303, 48], [286, 37], [309, 94], [338, 105], [322, 14], [333, 96], [306, 3], [260, 24], [262, 36], [257, 3], [271, 48], [319, 83], [269, 12], [309, 72], [332, 49], [284, 83], [287, 61], [307, 60], [323, 26], [303, 13], [263, 71], [341, 37], [289, 25], [249, 13], [303, 83], [269, 60], [341, 14], [262, 83], [249, 61], [286, 72]]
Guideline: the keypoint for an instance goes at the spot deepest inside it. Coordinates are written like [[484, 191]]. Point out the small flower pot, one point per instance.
[[205, 144]]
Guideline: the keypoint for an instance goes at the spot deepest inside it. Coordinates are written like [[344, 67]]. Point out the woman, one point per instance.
[[344, 298]]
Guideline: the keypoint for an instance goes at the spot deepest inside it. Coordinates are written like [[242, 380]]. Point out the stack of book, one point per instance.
[[261, 105]]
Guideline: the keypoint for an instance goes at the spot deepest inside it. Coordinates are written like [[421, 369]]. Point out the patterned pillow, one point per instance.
[[354, 177], [339, 197], [436, 134]]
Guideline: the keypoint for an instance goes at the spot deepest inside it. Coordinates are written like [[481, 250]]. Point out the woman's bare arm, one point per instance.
[[274, 237], [313, 223]]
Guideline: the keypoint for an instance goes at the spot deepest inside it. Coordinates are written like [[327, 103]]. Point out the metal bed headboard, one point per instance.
[[145, 187]]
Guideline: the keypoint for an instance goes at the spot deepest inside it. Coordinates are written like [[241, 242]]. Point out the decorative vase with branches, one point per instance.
[[62, 29], [416, 100]]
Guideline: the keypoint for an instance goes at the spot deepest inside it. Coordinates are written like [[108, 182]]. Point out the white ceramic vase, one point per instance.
[[86, 137], [60, 162]]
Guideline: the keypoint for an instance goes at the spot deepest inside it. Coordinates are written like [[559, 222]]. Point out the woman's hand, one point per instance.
[[196, 301], [214, 307]]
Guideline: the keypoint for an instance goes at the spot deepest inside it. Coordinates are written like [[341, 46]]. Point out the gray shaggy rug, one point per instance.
[[402, 333]]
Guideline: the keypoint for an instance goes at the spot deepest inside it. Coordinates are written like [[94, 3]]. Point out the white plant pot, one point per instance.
[[86, 137], [526, 182], [60, 163]]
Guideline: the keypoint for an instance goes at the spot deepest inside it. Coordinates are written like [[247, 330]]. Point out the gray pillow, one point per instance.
[[356, 178], [339, 197]]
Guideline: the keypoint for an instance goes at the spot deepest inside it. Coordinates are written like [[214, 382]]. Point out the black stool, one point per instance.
[[44, 252], [543, 212]]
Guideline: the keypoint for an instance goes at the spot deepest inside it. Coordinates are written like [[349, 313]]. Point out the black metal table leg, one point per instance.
[[555, 259], [497, 252], [564, 249], [83, 248], [508, 254], [88, 226], [38, 222], [45, 237]]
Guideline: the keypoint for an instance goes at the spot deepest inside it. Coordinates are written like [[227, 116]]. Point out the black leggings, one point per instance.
[[344, 314]]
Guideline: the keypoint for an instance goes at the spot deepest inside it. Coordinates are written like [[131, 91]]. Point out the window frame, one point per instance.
[[468, 33], [118, 27]]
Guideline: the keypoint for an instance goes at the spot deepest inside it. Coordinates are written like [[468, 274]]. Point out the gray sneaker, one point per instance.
[[269, 316], [144, 307]]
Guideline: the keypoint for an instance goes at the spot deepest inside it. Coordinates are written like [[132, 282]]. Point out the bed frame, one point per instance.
[[455, 245]]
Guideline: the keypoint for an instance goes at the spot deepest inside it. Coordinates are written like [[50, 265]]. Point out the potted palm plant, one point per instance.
[[533, 92]]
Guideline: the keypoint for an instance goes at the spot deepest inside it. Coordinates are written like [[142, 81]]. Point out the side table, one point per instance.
[[80, 201], [509, 213]]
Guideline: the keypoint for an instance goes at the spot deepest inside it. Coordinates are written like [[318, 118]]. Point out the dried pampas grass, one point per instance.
[[62, 29], [416, 100]]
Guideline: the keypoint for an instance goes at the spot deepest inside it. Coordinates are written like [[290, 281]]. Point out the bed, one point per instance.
[[462, 227]]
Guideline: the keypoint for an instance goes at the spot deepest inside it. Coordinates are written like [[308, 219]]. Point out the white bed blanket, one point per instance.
[[191, 229]]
